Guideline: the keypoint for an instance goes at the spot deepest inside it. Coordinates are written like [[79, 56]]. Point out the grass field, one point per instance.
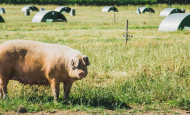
[[149, 74]]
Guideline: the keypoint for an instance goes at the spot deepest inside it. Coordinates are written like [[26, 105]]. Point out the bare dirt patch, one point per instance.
[[46, 113], [170, 112]]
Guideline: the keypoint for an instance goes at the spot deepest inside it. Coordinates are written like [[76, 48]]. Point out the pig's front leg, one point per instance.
[[67, 87], [1, 92], [55, 89]]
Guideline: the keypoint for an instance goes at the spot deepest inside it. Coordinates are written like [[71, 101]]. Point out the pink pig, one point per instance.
[[31, 62]]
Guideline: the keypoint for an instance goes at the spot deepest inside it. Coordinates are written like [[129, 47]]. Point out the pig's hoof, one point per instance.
[[55, 101], [53, 111], [22, 109], [66, 101], [6, 96]]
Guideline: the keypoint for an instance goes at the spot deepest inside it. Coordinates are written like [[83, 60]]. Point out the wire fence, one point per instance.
[[161, 37], [98, 35]]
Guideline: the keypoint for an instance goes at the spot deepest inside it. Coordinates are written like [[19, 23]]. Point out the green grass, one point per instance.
[[149, 74]]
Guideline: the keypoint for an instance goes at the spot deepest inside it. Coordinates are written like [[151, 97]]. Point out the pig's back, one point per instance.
[[23, 47], [20, 45], [37, 52]]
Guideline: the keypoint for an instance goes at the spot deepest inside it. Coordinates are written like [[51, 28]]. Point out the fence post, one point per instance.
[[126, 33], [114, 18]]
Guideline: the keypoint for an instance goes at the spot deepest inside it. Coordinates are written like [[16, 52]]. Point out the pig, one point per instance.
[[32, 62]]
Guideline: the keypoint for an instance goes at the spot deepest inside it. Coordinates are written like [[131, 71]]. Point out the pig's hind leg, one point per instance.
[[4, 79], [3, 87]]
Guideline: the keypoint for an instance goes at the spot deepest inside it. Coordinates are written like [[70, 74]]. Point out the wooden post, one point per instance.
[[126, 33], [114, 18]]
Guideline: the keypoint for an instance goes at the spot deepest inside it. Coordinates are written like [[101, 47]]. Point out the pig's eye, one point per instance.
[[73, 67], [75, 62]]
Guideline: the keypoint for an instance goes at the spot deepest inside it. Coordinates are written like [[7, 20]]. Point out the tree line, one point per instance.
[[95, 2]]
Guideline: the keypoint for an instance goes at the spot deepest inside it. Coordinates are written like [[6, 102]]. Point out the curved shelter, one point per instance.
[[144, 10], [109, 8], [1, 19], [63, 9], [46, 15], [168, 11], [33, 8], [175, 21], [2, 11]]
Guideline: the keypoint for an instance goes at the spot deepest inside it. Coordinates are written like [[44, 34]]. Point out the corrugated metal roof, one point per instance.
[[2, 11], [48, 14], [59, 8], [174, 22], [108, 8], [33, 8], [1, 19], [63, 8], [144, 9], [168, 11], [141, 9], [38, 17]]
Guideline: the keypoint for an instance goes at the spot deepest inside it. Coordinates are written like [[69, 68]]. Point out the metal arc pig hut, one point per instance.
[[168, 11], [1, 19], [2, 11], [63, 9], [49, 16], [31, 8], [144, 10], [109, 9], [175, 21]]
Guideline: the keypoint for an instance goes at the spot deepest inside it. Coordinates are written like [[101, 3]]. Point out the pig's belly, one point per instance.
[[30, 79]]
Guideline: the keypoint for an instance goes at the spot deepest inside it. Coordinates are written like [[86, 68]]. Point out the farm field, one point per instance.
[[149, 74]]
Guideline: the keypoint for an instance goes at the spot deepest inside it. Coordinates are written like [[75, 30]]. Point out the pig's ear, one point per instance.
[[85, 60], [74, 62]]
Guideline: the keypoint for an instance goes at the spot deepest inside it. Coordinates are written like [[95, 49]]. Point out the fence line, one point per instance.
[[59, 33], [161, 37], [153, 37]]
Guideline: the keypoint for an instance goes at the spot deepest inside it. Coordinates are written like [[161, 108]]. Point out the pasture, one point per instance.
[[149, 74]]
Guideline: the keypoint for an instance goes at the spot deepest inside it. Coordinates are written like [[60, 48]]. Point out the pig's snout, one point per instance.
[[81, 74]]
